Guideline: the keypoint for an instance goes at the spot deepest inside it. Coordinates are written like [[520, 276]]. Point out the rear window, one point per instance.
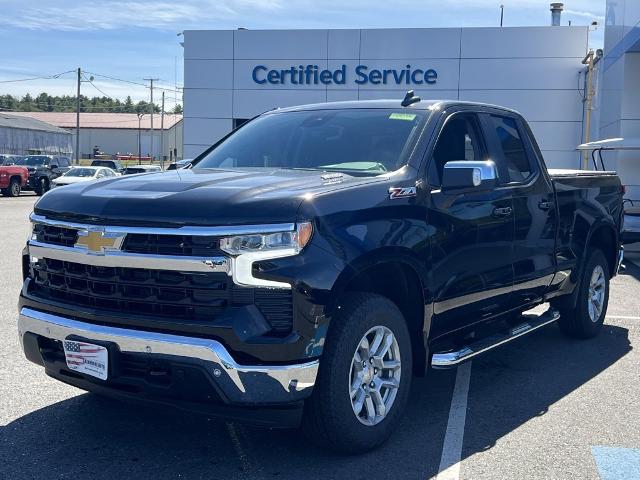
[[513, 151], [369, 141]]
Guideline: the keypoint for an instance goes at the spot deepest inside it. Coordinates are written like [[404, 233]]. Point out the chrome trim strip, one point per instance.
[[619, 266], [117, 258], [241, 383], [186, 230], [452, 359]]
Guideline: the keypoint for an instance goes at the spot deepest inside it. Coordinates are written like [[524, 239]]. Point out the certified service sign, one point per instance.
[[360, 75]]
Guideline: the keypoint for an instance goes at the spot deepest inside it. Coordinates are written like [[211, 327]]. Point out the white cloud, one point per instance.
[[87, 15], [70, 15]]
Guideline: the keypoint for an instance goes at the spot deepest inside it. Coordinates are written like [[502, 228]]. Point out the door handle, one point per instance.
[[545, 205], [502, 211]]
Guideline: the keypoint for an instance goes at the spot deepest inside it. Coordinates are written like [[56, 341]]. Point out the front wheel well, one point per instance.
[[401, 284], [604, 238]]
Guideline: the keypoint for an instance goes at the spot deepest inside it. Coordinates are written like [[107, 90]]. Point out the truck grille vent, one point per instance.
[[196, 246], [67, 237], [156, 293]]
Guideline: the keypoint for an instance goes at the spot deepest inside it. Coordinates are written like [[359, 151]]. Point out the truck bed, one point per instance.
[[563, 173]]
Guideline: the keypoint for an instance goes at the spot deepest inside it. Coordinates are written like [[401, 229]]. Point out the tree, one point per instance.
[[128, 105], [66, 103], [177, 108]]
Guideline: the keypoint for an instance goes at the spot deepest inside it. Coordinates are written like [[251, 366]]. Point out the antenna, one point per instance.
[[409, 99]]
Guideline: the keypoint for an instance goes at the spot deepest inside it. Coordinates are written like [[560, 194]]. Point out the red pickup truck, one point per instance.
[[12, 179]]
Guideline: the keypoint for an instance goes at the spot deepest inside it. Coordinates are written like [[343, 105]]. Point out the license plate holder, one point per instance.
[[87, 358]]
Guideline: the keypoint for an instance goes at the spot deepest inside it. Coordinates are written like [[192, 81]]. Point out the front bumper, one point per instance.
[[237, 385]]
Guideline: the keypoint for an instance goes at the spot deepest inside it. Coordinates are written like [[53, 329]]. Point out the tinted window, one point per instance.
[[513, 151], [458, 140], [353, 140], [64, 161]]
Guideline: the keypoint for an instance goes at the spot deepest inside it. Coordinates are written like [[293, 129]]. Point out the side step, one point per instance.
[[529, 324]]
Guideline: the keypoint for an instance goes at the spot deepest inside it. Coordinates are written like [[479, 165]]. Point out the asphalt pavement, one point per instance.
[[543, 407]]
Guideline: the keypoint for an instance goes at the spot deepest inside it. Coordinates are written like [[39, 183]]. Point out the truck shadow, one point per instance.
[[89, 436]]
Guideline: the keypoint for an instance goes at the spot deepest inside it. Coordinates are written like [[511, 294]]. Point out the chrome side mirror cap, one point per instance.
[[462, 175]]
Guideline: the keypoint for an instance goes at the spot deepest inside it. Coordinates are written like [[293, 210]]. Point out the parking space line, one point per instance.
[[624, 317], [453, 439]]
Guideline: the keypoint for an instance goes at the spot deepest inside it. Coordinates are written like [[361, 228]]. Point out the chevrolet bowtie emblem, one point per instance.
[[97, 241]]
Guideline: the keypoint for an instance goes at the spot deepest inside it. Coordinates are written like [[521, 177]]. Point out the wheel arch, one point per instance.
[[400, 277], [604, 237]]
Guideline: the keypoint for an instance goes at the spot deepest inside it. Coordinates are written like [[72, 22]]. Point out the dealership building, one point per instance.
[[232, 75]]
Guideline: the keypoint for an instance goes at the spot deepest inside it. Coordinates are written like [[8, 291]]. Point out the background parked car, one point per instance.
[[141, 169], [9, 159], [12, 179], [114, 165], [83, 174], [42, 170]]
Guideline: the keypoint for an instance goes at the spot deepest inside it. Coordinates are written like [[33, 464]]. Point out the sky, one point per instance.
[[133, 40]]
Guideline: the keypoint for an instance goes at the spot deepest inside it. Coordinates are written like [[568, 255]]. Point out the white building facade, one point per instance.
[[617, 101], [231, 76]]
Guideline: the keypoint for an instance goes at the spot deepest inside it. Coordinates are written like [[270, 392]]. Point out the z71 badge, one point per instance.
[[402, 192]]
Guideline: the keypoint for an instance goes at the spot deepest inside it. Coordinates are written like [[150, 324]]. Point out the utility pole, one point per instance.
[[151, 80], [501, 14], [78, 120], [162, 133]]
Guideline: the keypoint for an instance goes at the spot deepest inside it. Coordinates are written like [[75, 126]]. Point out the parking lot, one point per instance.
[[543, 407]]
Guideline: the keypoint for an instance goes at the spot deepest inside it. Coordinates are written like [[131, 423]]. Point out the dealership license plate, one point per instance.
[[87, 358]]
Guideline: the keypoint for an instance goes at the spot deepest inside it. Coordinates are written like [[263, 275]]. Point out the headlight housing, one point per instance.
[[249, 248], [291, 242]]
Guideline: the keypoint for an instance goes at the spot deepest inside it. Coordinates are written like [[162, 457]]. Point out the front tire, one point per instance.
[[585, 320], [357, 401], [14, 188]]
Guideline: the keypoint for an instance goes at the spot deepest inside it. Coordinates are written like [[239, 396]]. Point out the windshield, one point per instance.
[[103, 163], [80, 172], [369, 141], [33, 161]]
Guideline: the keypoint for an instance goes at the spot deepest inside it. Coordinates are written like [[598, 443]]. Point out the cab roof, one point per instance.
[[387, 104]]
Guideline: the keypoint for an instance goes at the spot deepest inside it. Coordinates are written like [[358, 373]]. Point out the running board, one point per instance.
[[530, 323]]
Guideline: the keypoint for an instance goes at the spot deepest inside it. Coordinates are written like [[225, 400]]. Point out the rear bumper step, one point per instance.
[[529, 324]]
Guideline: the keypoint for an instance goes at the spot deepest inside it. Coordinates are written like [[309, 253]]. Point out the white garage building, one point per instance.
[[233, 75]]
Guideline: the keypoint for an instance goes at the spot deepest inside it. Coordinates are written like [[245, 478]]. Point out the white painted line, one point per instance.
[[624, 317], [452, 446]]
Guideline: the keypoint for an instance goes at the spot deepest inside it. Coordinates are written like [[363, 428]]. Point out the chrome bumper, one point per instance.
[[242, 384]]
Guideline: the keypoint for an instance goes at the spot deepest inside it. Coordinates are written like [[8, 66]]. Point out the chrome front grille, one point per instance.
[[166, 273], [155, 293]]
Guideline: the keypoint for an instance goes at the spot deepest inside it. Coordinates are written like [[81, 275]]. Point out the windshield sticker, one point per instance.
[[402, 116]]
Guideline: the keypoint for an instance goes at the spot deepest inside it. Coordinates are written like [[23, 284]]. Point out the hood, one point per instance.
[[194, 197]]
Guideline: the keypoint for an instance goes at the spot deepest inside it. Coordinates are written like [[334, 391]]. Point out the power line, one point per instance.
[[45, 77]]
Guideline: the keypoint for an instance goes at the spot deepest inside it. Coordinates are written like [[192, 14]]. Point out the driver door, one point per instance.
[[472, 244]]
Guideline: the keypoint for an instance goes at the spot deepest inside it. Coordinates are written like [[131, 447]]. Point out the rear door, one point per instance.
[[471, 247], [523, 176]]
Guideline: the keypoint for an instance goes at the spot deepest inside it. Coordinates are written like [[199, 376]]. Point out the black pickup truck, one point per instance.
[[307, 265]]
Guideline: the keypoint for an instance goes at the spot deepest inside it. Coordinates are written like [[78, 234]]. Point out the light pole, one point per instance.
[[140, 115]]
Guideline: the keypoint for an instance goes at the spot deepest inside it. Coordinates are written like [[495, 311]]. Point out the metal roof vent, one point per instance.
[[556, 13]]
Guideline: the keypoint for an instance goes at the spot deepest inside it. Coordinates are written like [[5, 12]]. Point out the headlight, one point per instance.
[[278, 242], [247, 249]]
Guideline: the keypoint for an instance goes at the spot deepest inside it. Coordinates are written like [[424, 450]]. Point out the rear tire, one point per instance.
[[585, 320], [351, 410]]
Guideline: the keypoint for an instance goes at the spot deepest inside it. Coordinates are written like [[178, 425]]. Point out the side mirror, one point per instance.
[[462, 175]]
